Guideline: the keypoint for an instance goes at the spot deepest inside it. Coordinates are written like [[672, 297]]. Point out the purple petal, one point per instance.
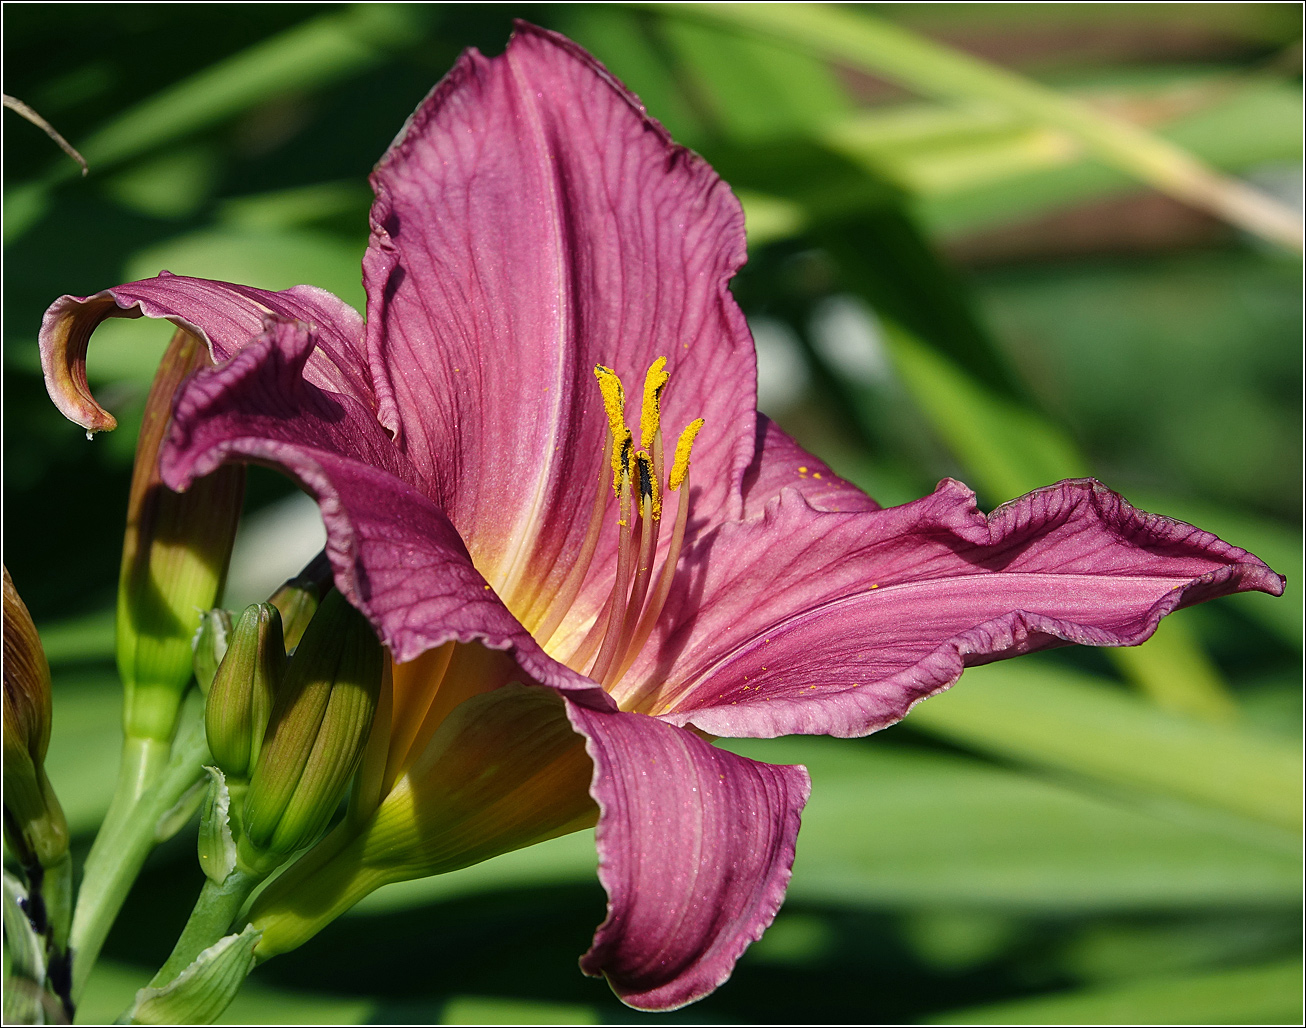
[[394, 553], [225, 316], [781, 463], [532, 221], [695, 850], [829, 623]]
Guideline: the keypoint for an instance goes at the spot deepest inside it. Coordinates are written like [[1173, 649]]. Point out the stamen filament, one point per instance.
[[659, 598], [643, 575], [566, 595], [621, 587]]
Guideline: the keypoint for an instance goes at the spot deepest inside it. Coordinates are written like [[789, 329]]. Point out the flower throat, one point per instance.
[[626, 621]]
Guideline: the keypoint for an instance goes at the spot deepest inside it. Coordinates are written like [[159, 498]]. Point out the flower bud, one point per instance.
[[314, 742], [174, 558], [210, 645], [33, 820], [240, 698], [298, 598]]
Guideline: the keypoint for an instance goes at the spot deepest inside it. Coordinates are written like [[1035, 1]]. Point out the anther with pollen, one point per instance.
[[639, 589]]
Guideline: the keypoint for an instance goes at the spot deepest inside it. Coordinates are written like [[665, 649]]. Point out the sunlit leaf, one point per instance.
[[1267, 994], [1063, 720]]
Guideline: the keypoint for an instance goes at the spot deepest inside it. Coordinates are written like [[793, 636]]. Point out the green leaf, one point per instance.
[[902, 828], [1266, 994], [1008, 448], [1041, 714], [24, 949], [892, 827], [310, 55], [871, 44], [85, 638], [495, 1010], [753, 88], [113, 985], [85, 744], [201, 992]]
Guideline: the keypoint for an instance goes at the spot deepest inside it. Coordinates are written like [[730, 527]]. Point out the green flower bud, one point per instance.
[[174, 559], [298, 598], [210, 645], [33, 820], [314, 743], [240, 698]]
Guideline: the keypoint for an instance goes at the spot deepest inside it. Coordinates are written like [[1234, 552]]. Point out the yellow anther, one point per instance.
[[680, 466], [614, 405], [614, 399], [646, 483], [650, 415], [621, 459]]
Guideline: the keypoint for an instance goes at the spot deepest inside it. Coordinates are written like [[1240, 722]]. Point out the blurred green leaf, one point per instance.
[[112, 988], [259, 257], [896, 828], [892, 827], [85, 743], [297, 207], [971, 167], [85, 638], [172, 185], [317, 52], [882, 48], [768, 218], [1036, 712], [1008, 448], [752, 88], [496, 1010], [1268, 994]]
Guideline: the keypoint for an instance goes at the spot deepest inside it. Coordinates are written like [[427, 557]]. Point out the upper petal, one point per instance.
[[532, 221], [806, 621], [695, 850], [394, 553], [224, 315]]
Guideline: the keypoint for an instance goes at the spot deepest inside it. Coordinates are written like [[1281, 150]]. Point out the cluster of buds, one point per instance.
[[287, 732]]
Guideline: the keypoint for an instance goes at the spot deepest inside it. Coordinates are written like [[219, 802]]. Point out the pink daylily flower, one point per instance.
[[532, 222]]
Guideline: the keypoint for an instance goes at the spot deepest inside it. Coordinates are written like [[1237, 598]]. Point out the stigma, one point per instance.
[[637, 479]]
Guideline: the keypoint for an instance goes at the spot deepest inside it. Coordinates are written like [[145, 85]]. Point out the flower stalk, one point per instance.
[[121, 846]]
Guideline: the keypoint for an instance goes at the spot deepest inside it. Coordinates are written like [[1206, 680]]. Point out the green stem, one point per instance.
[[57, 895], [147, 789], [215, 910]]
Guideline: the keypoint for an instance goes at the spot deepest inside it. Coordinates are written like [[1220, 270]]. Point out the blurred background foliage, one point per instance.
[[1005, 242]]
